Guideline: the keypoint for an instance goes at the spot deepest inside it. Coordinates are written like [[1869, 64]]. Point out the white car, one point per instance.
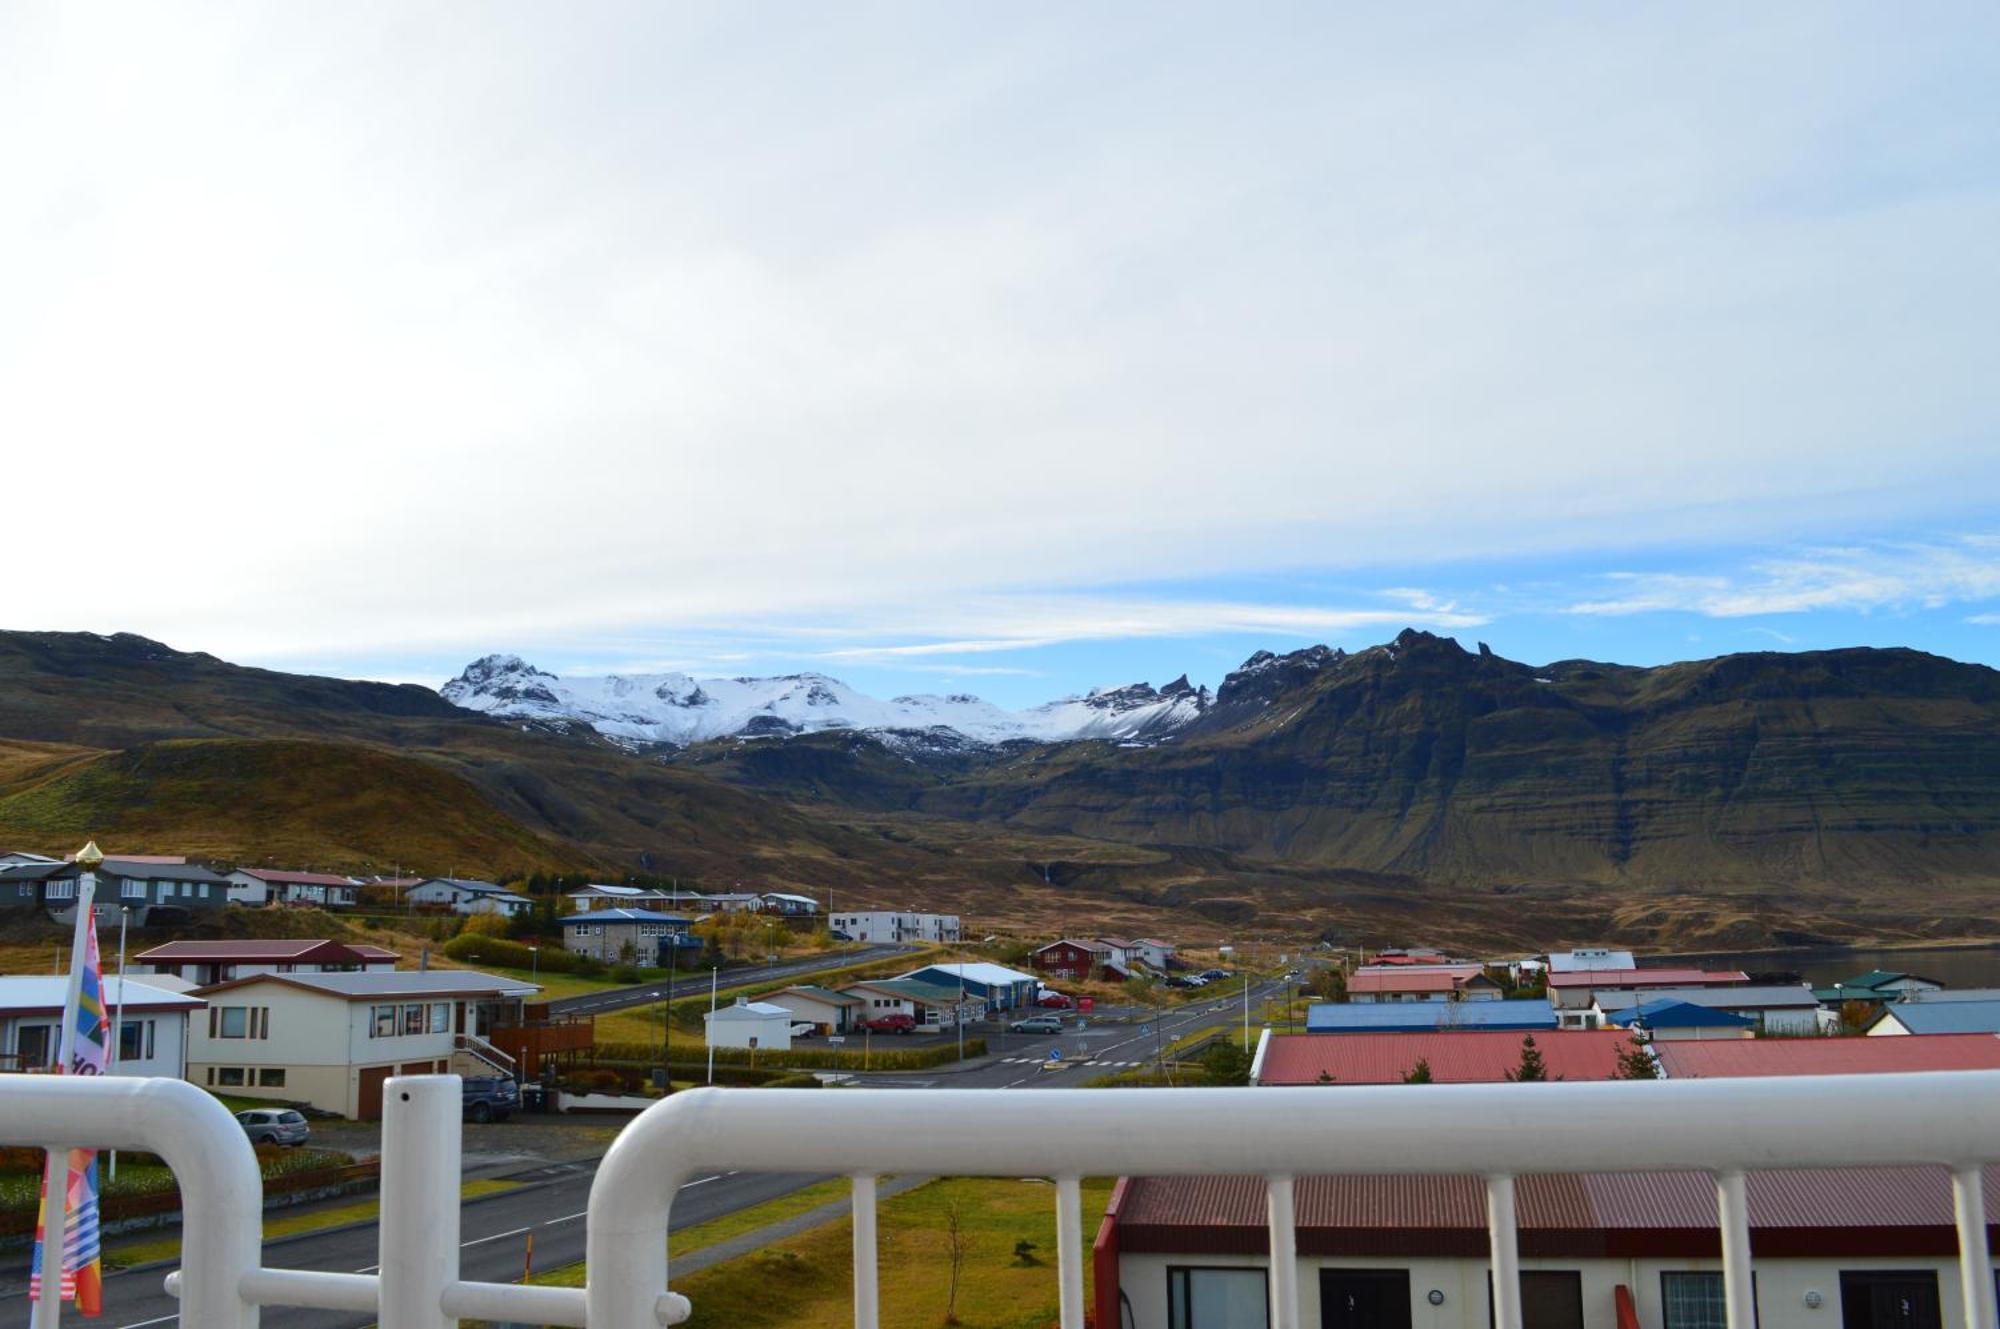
[[804, 1029]]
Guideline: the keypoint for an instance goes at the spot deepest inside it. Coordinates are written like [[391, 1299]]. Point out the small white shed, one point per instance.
[[750, 1024]]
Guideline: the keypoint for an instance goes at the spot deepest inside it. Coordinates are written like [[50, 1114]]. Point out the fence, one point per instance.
[[1723, 1127]]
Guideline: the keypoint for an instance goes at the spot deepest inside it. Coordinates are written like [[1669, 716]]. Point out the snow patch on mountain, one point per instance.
[[679, 709]]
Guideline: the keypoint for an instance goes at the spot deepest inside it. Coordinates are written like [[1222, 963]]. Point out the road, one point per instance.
[[493, 1230], [646, 994]]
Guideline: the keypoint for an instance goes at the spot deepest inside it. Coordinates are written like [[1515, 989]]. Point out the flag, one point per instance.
[[82, 1278]]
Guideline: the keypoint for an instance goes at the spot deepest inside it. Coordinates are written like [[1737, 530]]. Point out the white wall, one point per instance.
[[770, 1031]]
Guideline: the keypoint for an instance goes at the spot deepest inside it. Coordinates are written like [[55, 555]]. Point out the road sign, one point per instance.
[[1055, 1054], [835, 1040]]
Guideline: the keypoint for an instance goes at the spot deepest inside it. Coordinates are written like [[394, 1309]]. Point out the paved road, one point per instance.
[[646, 994]]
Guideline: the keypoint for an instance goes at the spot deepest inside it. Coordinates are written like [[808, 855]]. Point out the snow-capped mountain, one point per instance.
[[679, 709]]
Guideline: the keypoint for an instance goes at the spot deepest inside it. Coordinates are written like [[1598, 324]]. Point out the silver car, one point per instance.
[[274, 1126]]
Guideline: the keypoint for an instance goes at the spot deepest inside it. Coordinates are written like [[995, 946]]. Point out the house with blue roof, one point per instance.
[[1529, 1014], [1668, 1019], [1001, 988], [1938, 1017]]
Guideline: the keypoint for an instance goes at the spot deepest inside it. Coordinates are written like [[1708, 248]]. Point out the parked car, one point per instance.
[[1060, 1001], [1211, 975], [894, 1023], [1038, 1024], [838, 935], [274, 1126], [490, 1097], [804, 1029]]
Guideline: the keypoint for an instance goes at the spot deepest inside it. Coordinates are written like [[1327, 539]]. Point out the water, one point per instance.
[[1823, 966]]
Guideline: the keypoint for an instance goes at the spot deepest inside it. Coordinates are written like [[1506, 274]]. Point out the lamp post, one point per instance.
[[534, 962]]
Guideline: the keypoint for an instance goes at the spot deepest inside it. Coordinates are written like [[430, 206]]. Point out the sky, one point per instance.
[[1001, 350]]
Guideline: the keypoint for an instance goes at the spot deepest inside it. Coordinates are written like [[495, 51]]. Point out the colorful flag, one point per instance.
[[82, 1263]]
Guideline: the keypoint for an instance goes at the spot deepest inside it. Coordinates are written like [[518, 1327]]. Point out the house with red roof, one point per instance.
[[1727, 1059], [1455, 1056], [1422, 982], [204, 962], [1573, 992], [306, 890]]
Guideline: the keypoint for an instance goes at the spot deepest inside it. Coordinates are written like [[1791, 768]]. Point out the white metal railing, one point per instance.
[[1724, 1127]]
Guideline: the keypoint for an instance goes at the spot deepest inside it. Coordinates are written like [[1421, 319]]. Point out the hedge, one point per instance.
[[878, 1058], [511, 954]]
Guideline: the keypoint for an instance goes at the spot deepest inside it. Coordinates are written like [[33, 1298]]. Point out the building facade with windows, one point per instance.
[[301, 890], [331, 1040], [894, 925], [152, 1024], [202, 963], [465, 896], [157, 894], [636, 936]]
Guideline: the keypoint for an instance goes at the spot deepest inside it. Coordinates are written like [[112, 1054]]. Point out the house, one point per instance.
[[318, 890], [1866, 1248], [205, 962], [827, 1011], [1590, 957], [1460, 1056], [332, 1039], [1528, 1015], [1733, 1059], [157, 894], [1423, 955], [1001, 988], [1071, 959], [12, 856], [791, 906], [1778, 1008], [726, 902], [931, 1005], [631, 897], [1574, 990], [1877, 985], [896, 925], [632, 936], [152, 1024], [1666, 1020], [749, 1024], [1154, 953], [1938, 1017], [1422, 982], [462, 896]]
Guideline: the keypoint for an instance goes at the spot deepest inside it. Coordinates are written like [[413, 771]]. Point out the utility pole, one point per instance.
[[713, 974], [667, 1018]]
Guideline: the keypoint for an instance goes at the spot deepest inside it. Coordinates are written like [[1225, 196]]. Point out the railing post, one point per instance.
[[1739, 1294], [1284, 1253], [1975, 1262], [867, 1292], [1505, 1243], [1069, 1251], [420, 1186]]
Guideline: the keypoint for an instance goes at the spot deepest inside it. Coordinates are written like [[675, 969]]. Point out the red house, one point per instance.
[[1070, 959]]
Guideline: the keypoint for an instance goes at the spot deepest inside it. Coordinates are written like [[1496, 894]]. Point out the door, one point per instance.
[[34, 1047], [1889, 1299], [1364, 1299], [369, 1108], [1550, 1299]]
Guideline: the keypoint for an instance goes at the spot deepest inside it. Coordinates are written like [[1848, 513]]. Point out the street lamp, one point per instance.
[[534, 962]]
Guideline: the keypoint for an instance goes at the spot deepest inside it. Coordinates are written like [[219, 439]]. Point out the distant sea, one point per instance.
[[1823, 966]]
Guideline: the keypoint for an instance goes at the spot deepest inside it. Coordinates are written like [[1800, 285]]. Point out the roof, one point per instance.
[[597, 888], [1763, 997], [1435, 979], [282, 950], [621, 916], [1946, 1017], [1589, 957], [132, 868], [762, 1010], [1648, 978], [786, 895], [1878, 978], [988, 975], [297, 878], [44, 994], [1094, 947], [1155, 941], [391, 983], [1458, 1056], [374, 952], [816, 993], [1671, 1014], [473, 887], [913, 989], [1948, 994], [1730, 1058], [1422, 1016], [1591, 1214]]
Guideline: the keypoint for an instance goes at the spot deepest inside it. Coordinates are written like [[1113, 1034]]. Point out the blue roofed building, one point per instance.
[[1002, 989], [1938, 1017], [1530, 1014], [638, 936], [1670, 1019]]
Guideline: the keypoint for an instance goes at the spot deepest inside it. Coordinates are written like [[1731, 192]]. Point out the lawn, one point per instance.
[[806, 1282], [703, 1235]]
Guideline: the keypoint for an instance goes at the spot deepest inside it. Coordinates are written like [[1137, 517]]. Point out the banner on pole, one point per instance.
[[82, 1278]]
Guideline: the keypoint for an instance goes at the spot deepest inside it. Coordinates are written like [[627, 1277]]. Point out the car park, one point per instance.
[[274, 1126], [1037, 1024]]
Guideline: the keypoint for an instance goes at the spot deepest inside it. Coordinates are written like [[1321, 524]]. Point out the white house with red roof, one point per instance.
[[317, 890], [205, 962], [1422, 982]]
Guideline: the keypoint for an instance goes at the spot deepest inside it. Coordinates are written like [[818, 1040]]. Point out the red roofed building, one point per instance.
[[206, 962], [1427, 982], [1728, 1059], [1860, 1249], [318, 890], [1575, 991], [1462, 1056]]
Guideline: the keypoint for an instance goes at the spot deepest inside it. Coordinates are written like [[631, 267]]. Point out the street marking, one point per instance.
[[566, 1218], [141, 1324], [481, 1241]]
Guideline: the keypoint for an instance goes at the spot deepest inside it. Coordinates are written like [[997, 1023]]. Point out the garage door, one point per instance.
[[370, 1106]]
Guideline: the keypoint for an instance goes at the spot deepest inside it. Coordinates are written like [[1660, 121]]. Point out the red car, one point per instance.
[[1055, 1001], [897, 1023]]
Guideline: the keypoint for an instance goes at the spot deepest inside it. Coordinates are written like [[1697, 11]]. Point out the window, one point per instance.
[[271, 1079], [1217, 1299], [235, 1021], [132, 890], [135, 1040], [383, 1022], [413, 1019], [440, 1017], [62, 890], [1692, 1301], [229, 1075]]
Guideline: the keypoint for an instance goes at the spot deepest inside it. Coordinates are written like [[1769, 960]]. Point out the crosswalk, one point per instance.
[[1036, 1061]]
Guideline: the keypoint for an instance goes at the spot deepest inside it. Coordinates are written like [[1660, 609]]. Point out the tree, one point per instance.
[[1532, 1069], [1419, 1073], [1327, 983], [954, 1237], [1635, 1063], [1226, 1064]]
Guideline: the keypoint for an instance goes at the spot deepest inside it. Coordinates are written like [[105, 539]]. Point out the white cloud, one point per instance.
[[371, 328], [1864, 579]]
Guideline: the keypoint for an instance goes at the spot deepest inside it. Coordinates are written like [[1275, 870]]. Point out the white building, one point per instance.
[[321, 890], [829, 1011], [152, 1024], [332, 1039], [1585, 958], [1778, 1008], [749, 1024], [788, 904], [894, 925], [464, 896], [595, 896]]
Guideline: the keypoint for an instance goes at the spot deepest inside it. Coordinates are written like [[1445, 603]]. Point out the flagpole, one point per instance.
[[118, 1014], [55, 1175]]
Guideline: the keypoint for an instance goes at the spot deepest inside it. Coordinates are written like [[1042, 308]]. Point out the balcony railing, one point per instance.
[[1724, 1127]]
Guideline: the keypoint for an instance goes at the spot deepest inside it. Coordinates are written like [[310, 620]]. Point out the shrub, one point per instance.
[[472, 948], [484, 925]]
